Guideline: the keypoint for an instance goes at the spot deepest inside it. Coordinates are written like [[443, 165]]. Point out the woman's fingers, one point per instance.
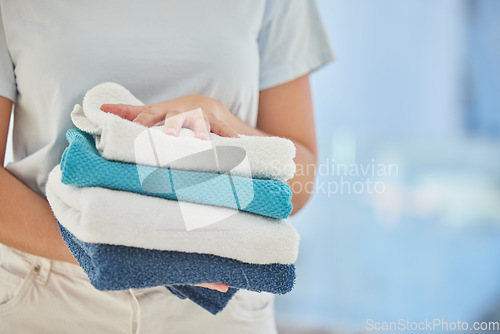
[[150, 115], [222, 129], [200, 125], [174, 122], [197, 121], [214, 286], [147, 115], [125, 111]]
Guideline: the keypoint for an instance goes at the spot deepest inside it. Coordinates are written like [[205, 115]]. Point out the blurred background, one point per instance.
[[405, 219], [414, 92]]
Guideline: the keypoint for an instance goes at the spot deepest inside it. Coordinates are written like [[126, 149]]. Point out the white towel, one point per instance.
[[99, 215], [122, 140]]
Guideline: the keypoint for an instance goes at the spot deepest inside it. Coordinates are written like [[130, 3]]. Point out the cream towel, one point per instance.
[[99, 215]]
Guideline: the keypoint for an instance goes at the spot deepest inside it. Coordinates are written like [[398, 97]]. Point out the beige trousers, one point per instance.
[[41, 296]]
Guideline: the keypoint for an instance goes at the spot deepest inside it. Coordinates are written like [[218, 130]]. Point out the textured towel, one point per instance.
[[82, 166], [211, 300], [122, 140], [99, 215], [120, 268]]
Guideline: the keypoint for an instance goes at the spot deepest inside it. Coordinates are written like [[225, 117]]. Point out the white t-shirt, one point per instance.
[[52, 52]]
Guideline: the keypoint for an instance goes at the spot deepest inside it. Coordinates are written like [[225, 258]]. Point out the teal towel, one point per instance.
[[81, 165]]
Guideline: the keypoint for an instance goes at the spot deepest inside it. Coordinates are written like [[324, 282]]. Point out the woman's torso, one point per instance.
[[159, 50]]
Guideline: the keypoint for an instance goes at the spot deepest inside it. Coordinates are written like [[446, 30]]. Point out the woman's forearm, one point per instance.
[[27, 222]]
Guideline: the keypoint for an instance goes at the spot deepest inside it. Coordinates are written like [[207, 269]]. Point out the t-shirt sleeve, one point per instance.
[[292, 41], [7, 78]]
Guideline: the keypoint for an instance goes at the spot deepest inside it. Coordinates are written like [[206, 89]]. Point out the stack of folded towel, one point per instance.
[[139, 208]]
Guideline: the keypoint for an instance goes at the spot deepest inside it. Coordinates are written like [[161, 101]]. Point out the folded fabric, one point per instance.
[[211, 300], [82, 166], [121, 140], [118, 268], [99, 215]]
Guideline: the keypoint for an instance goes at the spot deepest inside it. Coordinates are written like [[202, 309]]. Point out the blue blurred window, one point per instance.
[[483, 114]]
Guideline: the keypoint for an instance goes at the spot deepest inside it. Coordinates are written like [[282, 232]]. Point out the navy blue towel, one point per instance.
[[112, 267]]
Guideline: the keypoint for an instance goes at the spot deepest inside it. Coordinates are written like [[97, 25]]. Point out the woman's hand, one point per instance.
[[200, 113], [214, 286], [197, 112]]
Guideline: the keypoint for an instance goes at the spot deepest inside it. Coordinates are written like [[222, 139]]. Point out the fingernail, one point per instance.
[[202, 136], [171, 131]]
